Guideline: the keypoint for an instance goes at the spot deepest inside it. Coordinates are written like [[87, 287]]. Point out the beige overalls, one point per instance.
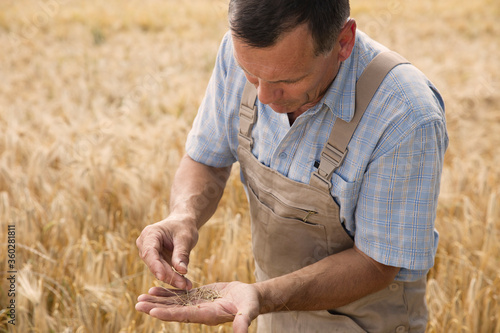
[[296, 224]]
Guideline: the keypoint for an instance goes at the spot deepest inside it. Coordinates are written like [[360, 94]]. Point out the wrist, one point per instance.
[[187, 219], [193, 214], [271, 297]]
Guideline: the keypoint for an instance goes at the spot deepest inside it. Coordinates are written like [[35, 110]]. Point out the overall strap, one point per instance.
[[335, 149], [248, 115]]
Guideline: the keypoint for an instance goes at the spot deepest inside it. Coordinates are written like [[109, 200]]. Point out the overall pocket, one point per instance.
[[283, 244]]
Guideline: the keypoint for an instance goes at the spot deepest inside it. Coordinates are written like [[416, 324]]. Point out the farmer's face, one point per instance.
[[289, 76]]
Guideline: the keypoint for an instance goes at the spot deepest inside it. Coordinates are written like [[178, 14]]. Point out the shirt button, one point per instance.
[[400, 329], [393, 286], [282, 155]]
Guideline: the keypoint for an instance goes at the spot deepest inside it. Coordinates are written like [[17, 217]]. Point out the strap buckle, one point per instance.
[[250, 113], [319, 181], [248, 116], [331, 159], [245, 141]]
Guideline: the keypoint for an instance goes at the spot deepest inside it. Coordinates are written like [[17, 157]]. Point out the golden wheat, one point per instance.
[[96, 99]]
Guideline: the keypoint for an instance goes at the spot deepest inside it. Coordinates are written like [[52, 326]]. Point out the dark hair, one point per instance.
[[260, 23]]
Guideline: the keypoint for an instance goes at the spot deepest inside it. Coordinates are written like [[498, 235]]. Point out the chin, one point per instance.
[[280, 108]]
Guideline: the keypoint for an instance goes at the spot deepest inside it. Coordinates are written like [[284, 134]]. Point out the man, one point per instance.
[[342, 237]]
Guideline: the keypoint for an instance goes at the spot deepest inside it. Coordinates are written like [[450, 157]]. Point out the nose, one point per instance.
[[268, 92]]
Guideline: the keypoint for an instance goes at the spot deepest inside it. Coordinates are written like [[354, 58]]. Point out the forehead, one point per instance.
[[292, 55]]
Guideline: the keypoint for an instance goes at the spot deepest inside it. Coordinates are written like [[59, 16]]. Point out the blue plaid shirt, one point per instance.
[[388, 185]]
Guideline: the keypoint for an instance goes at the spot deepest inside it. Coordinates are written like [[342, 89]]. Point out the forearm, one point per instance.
[[196, 190], [328, 284]]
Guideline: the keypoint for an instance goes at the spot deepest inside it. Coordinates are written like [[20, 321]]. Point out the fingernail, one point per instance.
[[183, 265]]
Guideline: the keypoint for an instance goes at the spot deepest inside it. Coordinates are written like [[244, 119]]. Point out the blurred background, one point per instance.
[[96, 100]]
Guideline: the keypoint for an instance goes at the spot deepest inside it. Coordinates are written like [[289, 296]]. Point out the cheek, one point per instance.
[[297, 92]]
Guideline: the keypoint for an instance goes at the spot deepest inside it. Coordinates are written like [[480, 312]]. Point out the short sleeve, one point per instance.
[[398, 200], [208, 141]]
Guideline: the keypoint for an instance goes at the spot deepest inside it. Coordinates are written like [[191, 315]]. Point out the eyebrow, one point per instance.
[[278, 81]]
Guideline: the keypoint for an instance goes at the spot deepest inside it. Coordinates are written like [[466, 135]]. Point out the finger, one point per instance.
[[164, 272], [184, 243], [160, 268], [180, 260], [158, 299], [162, 295], [177, 280], [180, 255], [150, 255], [143, 307], [205, 313], [241, 323], [146, 303], [165, 292]]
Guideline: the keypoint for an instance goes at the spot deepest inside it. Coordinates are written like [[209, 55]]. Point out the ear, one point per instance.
[[346, 40]]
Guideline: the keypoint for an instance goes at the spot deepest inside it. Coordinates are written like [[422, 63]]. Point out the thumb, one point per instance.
[[180, 255], [241, 323]]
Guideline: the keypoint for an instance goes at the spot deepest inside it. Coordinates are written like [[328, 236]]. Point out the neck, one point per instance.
[[291, 117]]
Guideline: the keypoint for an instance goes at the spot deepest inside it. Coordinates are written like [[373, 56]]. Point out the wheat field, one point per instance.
[[96, 100]]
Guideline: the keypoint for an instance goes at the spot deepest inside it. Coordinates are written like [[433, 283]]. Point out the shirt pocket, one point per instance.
[[346, 194]]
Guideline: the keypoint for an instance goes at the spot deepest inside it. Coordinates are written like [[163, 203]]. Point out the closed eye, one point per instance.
[[288, 81]]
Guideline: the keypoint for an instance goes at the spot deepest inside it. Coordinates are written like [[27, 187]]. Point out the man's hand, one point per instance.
[[237, 302], [167, 244], [196, 191]]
